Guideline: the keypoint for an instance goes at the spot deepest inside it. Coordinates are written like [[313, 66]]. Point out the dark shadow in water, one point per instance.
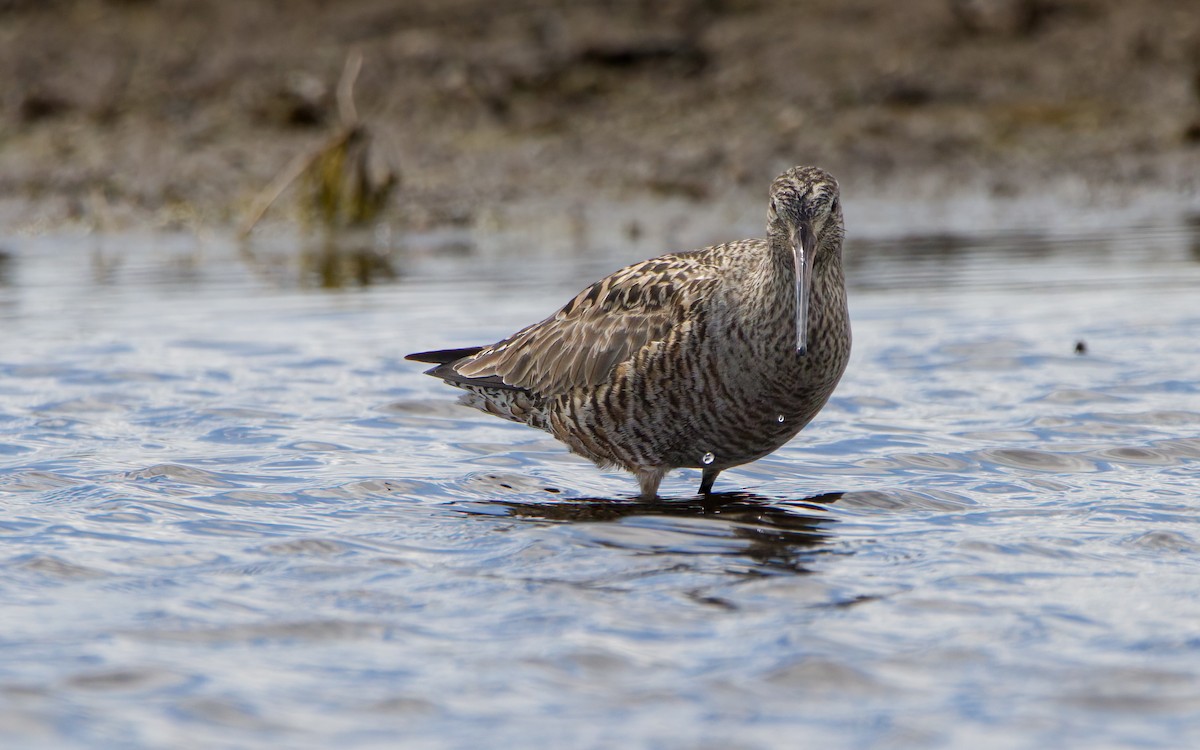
[[779, 533]]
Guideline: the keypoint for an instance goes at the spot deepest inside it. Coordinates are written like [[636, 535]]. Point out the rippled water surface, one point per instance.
[[234, 516]]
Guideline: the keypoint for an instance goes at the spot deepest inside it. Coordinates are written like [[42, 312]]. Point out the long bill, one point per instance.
[[803, 250]]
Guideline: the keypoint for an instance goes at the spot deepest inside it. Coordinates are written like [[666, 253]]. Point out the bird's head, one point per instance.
[[805, 216]]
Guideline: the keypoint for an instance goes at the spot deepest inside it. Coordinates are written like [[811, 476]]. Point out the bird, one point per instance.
[[706, 359]]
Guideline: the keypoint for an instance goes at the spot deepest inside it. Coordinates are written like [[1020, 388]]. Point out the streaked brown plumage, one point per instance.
[[705, 359]]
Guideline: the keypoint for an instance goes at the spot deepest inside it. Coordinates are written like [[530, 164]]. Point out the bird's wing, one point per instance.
[[603, 326]]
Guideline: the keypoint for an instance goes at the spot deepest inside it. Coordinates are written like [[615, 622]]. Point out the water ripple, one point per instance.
[[190, 476], [1036, 460]]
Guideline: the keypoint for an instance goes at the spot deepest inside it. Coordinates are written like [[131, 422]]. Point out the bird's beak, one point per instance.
[[804, 247]]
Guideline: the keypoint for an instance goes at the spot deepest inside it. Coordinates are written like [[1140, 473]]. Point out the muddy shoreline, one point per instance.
[[127, 113]]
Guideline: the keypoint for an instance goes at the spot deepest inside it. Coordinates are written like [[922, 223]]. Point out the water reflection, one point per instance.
[[6, 267], [778, 534], [1192, 222], [334, 261], [334, 265], [7, 285]]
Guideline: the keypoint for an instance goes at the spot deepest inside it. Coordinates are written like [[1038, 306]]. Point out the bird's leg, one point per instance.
[[649, 481], [706, 480]]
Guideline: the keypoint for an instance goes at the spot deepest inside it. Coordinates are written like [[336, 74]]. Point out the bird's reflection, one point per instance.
[[777, 533]]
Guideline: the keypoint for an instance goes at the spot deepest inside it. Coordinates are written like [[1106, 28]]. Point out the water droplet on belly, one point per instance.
[[707, 459], [779, 419]]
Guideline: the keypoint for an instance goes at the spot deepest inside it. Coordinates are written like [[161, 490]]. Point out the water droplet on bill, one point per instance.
[[707, 459]]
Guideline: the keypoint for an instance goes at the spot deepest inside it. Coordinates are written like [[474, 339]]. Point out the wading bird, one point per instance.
[[705, 359]]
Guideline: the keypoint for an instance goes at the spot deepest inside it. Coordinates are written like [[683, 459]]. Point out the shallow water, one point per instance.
[[233, 516]]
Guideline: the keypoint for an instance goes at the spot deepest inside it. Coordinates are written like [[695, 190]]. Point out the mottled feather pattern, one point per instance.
[[685, 360], [605, 324]]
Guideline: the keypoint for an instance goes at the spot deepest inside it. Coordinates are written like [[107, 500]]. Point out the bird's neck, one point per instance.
[[773, 289], [779, 272], [769, 291]]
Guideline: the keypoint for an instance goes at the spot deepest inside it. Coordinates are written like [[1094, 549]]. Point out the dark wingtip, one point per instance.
[[444, 356], [445, 359]]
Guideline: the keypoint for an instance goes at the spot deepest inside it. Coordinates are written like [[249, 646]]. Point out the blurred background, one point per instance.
[[119, 111]]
